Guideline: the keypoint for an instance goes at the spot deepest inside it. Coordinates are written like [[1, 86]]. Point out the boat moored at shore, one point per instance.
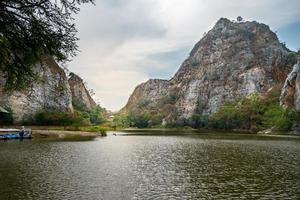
[[6, 134]]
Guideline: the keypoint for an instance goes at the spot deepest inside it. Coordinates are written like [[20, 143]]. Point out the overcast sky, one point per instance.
[[126, 42]]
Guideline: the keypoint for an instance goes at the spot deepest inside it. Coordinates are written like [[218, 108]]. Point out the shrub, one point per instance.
[[122, 120], [139, 120], [227, 117], [169, 99], [98, 129], [199, 121], [79, 105], [194, 62], [53, 118], [281, 119], [155, 120], [61, 118], [143, 102], [97, 115], [254, 113]]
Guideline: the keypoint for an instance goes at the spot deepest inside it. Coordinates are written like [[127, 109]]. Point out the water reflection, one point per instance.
[[151, 167]]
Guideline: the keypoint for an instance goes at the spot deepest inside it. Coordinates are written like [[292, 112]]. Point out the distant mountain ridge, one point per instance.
[[234, 59]]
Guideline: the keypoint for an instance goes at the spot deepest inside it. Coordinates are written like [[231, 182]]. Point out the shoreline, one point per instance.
[[58, 132], [208, 131], [61, 134]]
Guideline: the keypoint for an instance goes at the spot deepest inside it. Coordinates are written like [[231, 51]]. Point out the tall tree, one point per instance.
[[32, 29]]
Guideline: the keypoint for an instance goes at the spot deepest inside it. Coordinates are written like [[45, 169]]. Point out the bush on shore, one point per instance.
[[139, 120], [252, 113], [76, 119], [59, 118]]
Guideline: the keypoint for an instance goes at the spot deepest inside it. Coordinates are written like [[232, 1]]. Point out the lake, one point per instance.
[[152, 166]]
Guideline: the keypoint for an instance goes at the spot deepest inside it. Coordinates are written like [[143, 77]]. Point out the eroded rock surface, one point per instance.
[[50, 92], [232, 60], [81, 97], [290, 94]]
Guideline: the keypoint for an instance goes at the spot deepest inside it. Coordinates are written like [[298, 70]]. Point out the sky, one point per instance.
[[125, 42]]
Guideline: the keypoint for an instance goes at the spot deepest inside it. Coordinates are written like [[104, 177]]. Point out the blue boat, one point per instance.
[[19, 134]]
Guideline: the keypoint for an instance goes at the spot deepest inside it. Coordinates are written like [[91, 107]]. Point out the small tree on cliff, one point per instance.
[[32, 29], [239, 19]]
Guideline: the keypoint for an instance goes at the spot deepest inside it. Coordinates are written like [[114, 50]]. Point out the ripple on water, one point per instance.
[[151, 167]]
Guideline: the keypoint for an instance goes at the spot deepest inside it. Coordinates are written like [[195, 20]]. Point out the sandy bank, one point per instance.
[[62, 134]]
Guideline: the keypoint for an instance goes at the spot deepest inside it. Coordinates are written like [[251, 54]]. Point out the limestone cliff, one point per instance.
[[290, 94], [50, 92], [81, 97], [231, 60]]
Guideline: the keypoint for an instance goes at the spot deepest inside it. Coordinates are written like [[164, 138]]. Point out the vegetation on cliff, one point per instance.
[[230, 63], [95, 116], [254, 113], [139, 120]]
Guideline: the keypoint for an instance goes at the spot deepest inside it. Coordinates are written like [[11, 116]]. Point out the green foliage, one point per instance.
[[194, 63], [79, 105], [245, 113], [283, 45], [97, 115], [227, 117], [122, 120], [53, 118], [99, 129], [143, 103], [140, 120], [199, 121], [281, 119], [31, 30], [292, 57], [155, 120], [169, 99], [254, 113], [58, 118], [81, 118]]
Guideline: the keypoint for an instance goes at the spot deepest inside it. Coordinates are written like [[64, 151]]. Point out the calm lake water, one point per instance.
[[152, 166]]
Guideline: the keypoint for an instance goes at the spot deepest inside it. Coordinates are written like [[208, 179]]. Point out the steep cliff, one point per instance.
[[290, 94], [81, 97], [50, 92], [232, 60]]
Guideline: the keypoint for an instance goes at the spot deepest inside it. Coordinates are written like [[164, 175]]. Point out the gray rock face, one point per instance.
[[51, 92], [290, 93], [232, 60], [80, 95]]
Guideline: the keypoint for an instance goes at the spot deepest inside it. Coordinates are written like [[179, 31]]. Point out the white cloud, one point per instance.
[[118, 38]]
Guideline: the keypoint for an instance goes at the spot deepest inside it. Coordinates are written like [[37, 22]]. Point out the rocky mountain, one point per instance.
[[232, 60], [290, 94], [81, 97], [53, 91], [50, 92]]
